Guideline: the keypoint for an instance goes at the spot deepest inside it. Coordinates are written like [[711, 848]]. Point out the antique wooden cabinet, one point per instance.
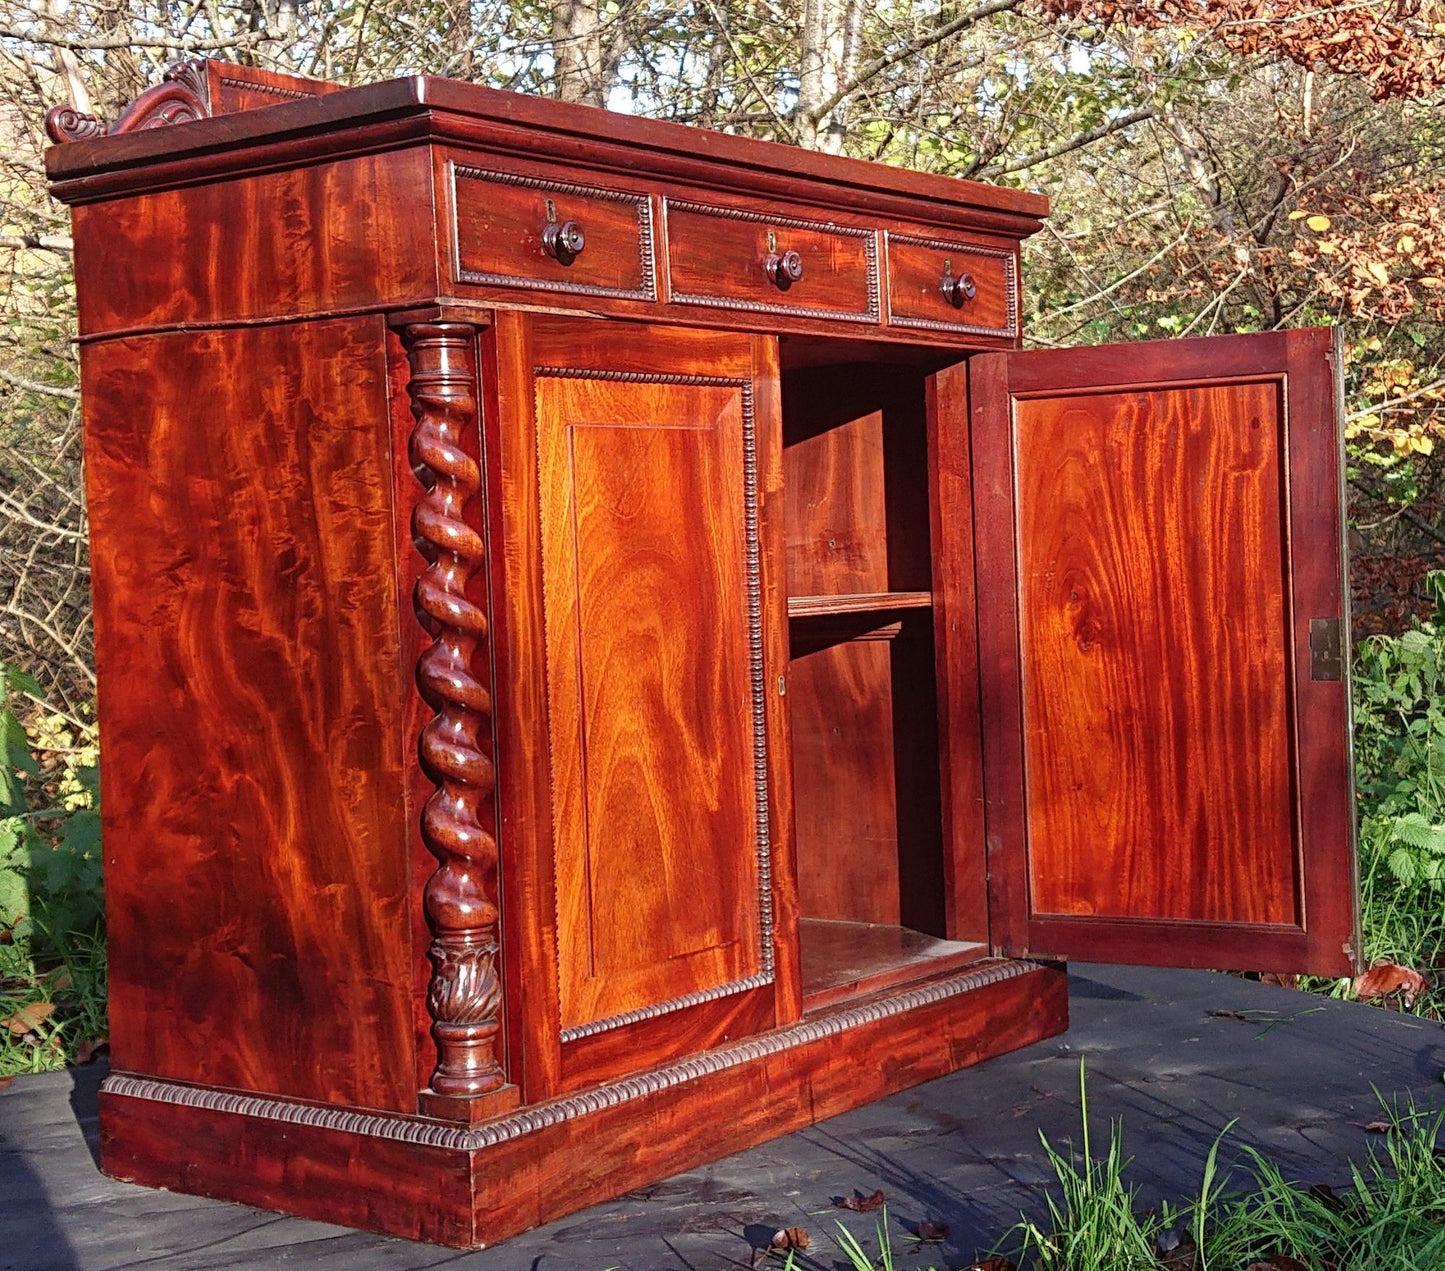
[[608, 653]]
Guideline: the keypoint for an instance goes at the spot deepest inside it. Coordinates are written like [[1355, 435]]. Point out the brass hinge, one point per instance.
[[1326, 656]]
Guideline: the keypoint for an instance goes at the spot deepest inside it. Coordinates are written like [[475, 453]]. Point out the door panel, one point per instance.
[[657, 717], [1165, 781]]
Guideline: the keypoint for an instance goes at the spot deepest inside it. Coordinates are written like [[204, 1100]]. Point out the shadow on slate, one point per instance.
[[963, 1151]]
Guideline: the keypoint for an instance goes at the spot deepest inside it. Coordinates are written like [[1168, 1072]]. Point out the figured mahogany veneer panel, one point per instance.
[[652, 637], [234, 88], [843, 960], [1156, 665], [348, 234], [251, 710], [1167, 779], [918, 299], [716, 257], [837, 514], [846, 797], [500, 218]]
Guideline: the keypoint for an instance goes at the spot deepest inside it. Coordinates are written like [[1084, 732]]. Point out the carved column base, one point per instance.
[[469, 1109]]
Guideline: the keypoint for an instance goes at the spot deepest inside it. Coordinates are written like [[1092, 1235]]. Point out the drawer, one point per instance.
[[721, 257], [937, 285], [508, 233]]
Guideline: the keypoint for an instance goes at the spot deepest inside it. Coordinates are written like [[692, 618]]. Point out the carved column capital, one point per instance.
[[464, 998]]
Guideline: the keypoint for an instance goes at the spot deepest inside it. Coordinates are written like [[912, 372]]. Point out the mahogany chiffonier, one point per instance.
[[609, 653]]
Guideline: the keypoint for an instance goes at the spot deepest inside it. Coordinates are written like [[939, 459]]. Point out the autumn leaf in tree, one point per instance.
[[1385, 978], [1393, 48]]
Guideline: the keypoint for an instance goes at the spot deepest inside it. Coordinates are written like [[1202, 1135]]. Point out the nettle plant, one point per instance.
[[1400, 747], [49, 854], [52, 938]]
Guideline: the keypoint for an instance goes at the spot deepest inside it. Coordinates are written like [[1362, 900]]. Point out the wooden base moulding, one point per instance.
[[473, 1186]]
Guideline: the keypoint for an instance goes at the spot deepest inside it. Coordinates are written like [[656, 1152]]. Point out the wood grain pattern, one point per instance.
[[499, 218], [871, 602], [916, 299], [234, 88], [1140, 699], [560, 1163], [657, 842], [524, 782], [849, 960], [302, 241], [716, 257], [246, 624], [955, 636], [1155, 655], [845, 785], [837, 529], [458, 820]]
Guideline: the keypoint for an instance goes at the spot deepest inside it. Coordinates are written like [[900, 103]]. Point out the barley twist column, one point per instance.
[[465, 994]]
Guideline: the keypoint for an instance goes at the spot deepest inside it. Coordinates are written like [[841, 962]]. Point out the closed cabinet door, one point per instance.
[[653, 453], [1163, 652]]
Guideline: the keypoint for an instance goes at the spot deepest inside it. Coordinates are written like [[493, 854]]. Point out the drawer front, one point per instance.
[[720, 257], [930, 280], [502, 224]]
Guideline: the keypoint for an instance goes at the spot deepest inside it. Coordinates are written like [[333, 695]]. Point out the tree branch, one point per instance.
[[880, 64], [35, 386], [102, 42], [1076, 142]]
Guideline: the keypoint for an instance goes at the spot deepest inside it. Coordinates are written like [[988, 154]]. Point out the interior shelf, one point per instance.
[[861, 602], [844, 960]]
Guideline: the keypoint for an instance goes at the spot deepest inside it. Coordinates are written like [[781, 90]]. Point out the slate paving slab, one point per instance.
[[1296, 1075]]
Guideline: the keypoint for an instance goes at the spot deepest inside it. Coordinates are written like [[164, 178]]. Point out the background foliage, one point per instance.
[[1214, 165]]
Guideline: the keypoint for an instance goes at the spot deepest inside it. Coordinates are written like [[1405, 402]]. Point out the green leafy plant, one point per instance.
[[52, 937]]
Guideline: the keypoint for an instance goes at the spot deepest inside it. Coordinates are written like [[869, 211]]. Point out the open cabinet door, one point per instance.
[[1163, 653]]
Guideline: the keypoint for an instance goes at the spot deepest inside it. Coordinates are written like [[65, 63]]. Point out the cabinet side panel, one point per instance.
[[251, 691], [350, 234]]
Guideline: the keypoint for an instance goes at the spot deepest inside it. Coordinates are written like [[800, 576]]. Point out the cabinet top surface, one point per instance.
[[141, 153]]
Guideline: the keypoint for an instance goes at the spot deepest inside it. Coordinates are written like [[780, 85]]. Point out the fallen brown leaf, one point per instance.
[[30, 1017], [1181, 1255], [861, 1204], [791, 1238], [931, 1231], [1374, 1127], [1227, 1015], [1283, 981], [1385, 978], [992, 1264], [89, 1048], [5, 1082]]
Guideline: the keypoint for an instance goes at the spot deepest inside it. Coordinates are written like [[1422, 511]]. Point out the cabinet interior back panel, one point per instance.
[[645, 558], [1154, 633]]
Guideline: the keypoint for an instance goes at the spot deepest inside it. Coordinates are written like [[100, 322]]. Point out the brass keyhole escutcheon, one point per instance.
[[957, 289], [563, 241], [782, 268]]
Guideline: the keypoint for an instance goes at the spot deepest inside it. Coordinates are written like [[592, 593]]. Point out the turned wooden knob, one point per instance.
[[563, 242], [783, 269], [958, 288]]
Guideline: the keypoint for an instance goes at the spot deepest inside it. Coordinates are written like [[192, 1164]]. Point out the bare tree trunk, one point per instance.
[[832, 44], [582, 71]]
